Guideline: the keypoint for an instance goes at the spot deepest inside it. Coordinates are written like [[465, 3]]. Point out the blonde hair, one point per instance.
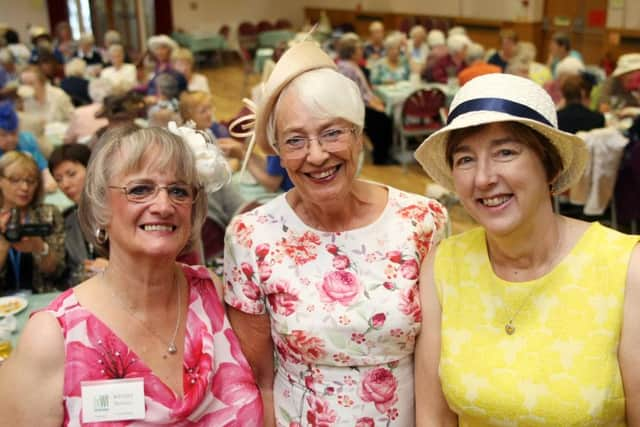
[[75, 68], [127, 148], [182, 54], [24, 160], [189, 100], [417, 29]]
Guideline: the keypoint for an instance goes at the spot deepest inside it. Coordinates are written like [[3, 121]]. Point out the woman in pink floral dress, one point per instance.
[[325, 276], [146, 342]]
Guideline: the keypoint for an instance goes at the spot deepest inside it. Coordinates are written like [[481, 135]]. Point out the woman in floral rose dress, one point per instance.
[[147, 319], [325, 276]]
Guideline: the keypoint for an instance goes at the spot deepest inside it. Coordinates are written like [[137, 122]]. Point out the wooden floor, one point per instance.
[[229, 85]]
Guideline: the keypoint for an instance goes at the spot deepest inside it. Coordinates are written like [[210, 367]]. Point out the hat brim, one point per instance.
[[621, 71], [432, 153]]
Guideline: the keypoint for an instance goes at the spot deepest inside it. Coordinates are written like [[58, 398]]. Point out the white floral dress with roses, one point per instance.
[[344, 308]]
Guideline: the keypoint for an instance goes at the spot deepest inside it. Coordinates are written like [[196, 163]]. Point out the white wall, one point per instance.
[[19, 14], [198, 16], [623, 14], [208, 16]]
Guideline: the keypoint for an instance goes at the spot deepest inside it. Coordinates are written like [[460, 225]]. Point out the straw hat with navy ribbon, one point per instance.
[[497, 98]]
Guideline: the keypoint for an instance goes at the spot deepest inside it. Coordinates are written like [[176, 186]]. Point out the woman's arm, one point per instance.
[[431, 406], [629, 353], [31, 380], [254, 333]]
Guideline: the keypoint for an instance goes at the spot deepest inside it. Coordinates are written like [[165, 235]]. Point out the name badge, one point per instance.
[[112, 400]]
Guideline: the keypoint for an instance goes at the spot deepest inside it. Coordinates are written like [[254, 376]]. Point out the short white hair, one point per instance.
[[417, 29], [457, 30], [99, 89], [527, 50], [475, 52], [76, 67], [115, 46], [394, 39], [327, 94], [435, 38], [569, 66], [111, 37], [457, 42], [87, 38]]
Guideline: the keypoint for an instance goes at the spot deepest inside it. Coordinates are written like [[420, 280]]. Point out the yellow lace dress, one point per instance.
[[560, 366]]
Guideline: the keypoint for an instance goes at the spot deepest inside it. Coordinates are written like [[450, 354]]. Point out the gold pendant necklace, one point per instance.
[[509, 327]]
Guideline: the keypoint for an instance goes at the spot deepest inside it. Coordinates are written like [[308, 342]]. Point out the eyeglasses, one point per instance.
[[332, 139], [16, 181], [141, 192]]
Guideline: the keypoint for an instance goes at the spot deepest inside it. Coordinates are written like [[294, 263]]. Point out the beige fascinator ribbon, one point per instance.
[[247, 125]]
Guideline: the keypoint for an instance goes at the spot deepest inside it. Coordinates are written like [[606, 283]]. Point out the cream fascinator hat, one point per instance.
[[298, 59], [496, 98]]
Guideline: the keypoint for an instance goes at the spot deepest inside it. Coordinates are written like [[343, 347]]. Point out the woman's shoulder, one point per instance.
[[274, 208], [595, 236], [409, 204], [468, 241]]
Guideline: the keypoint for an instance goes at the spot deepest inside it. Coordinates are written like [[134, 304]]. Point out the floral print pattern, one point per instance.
[[218, 385], [344, 308]]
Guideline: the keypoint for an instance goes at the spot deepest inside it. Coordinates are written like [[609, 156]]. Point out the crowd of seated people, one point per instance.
[[58, 120], [71, 91]]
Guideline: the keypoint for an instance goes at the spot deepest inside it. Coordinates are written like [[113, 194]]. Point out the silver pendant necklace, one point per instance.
[[172, 349]]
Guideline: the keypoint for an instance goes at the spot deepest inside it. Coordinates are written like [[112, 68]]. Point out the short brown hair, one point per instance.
[[540, 144]]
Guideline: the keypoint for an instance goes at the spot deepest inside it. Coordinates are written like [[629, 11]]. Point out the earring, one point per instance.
[[101, 236]]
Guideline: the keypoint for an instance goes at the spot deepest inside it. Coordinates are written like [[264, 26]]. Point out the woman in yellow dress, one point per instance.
[[531, 319]]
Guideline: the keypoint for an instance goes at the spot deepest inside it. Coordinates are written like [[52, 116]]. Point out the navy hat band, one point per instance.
[[499, 105]]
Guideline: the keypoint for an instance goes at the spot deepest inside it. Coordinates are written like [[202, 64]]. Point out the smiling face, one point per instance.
[[320, 176], [155, 228], [500, 179], [70, 178]]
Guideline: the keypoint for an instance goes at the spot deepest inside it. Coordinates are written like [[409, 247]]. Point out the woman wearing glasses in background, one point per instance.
[[152, 332], [31, 263], [326, 274]]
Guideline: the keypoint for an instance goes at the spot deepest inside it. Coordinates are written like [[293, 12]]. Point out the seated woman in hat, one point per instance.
[[326, 274], [622, 88], [532, 317]]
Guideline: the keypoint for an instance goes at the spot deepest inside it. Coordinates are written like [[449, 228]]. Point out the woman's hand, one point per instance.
[[232, 148], [28, 244]]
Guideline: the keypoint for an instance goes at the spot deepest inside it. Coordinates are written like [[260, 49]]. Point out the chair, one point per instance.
[[283, 24], [264, 26], [422, 113], [247, 36], [224, 31]]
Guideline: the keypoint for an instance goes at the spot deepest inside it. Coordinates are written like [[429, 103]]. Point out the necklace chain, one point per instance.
[[171, 346], [509, 328]]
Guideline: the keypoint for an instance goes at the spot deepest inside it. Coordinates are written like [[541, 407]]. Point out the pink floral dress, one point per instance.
[[219, 388], [344, 308]]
